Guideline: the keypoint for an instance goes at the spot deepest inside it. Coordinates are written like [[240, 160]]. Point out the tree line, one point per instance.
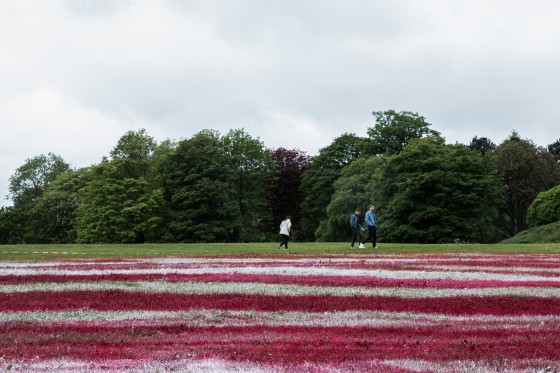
[[232, 188]]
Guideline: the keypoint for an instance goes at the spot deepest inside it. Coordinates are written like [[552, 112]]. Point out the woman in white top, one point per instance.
[[285, 228]]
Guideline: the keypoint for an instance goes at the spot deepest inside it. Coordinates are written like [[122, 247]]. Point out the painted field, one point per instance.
[[415, 312]]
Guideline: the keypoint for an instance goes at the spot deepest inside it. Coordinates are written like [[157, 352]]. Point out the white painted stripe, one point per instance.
[[253, 288], [298, 271], [323, 260], [257, 318], [192, 365], [510, 268], [471, 366]]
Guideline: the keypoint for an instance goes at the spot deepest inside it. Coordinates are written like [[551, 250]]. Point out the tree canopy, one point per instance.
[[232, 188], [432, 192]]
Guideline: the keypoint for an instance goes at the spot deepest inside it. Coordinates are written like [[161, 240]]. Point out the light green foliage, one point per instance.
[[545, 209], [318, 179], [132, 156], [432, 192], [355, 188], [123, 202], [54, 216], [32, 178], [393, 131], [115, 209]]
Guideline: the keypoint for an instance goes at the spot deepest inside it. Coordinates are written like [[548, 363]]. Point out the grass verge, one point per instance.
[[11, 252]]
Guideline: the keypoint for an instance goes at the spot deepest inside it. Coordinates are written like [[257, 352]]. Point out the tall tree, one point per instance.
[[200, 190], [554, 149], [13, 223], [393, 131], [133, 154], [287, 196], [482, 144], [526, 171], [318, 179], [431, 192], [54, 216], [122, 203], [355, 188], [32, 178], [254, 165]]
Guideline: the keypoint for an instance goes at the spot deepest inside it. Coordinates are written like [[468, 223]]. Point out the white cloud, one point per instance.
[[285, 130], [45, 121], [77, 74]]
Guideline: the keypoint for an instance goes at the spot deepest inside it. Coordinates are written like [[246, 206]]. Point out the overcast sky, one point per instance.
[[75, 75]]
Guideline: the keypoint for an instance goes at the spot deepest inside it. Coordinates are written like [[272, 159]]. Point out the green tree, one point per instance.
[[431, 192], [118, 210], [318, 179], [123, 203], [13, 222], [199, 181], [32, 178], [355, 188], [545, 209], [393, 131], [554, 149], [254, 166], [482, 144], [526, 171], [132, 156], [54, 216]]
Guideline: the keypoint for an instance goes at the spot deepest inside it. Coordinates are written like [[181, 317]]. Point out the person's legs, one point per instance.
[[355, 236], [368, 236], [284, 241], [373, 235]]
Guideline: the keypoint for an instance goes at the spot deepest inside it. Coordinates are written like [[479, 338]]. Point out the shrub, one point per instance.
[[545, 209]]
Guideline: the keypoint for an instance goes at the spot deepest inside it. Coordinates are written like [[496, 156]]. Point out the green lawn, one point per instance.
[[8, 252]]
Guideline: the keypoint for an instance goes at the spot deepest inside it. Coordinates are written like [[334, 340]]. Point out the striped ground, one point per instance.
[[278, 313]]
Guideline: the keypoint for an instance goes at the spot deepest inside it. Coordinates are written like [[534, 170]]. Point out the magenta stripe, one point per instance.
[[120, 300], [276, 344]]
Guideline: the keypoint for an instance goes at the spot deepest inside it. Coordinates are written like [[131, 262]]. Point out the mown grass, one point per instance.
[[10, 252]]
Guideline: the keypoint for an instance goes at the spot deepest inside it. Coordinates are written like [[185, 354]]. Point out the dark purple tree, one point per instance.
[[287, 197]]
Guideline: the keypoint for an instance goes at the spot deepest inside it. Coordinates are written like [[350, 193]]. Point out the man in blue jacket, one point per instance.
[[355, 226], [372, 228]]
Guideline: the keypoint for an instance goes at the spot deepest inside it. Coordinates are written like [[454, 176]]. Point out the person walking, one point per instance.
[[372, 228], [285, 228], [355, 227]]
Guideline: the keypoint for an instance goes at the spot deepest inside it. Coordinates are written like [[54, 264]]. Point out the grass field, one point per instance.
[[9, 252], [319, 307]]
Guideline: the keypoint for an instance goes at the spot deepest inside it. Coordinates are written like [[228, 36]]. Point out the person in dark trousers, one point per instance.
[[372, 228], [285, 228], [355, 227]]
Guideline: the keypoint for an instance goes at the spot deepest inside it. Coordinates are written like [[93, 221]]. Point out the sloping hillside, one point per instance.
[[544, 234]]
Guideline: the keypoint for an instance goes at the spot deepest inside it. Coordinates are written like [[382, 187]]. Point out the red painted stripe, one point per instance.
[[120, 300], [278, 345], [307, 280]]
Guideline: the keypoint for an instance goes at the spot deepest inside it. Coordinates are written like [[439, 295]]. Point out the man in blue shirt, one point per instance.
[[355, 226], [372, 228]]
